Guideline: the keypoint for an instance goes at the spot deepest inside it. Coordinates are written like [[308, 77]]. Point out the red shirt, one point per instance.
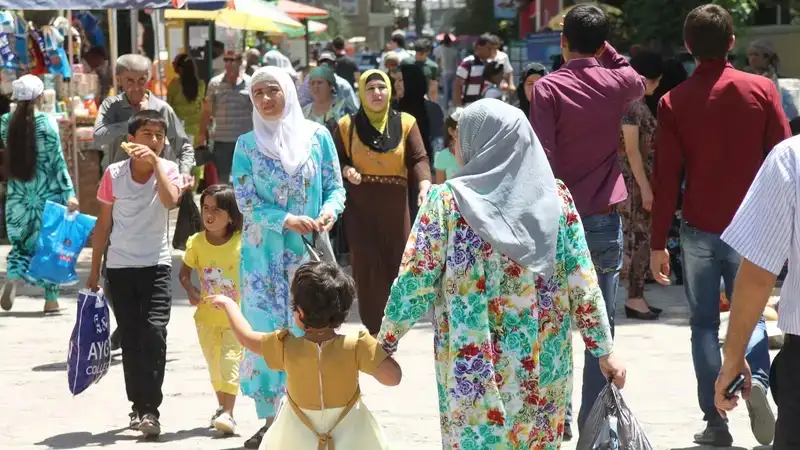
[[719, 126]]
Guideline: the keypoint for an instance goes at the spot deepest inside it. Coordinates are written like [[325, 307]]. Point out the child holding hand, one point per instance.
[[323, 398], [214, 254]]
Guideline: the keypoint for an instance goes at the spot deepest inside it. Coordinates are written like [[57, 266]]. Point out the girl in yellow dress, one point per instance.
[[322, 406]]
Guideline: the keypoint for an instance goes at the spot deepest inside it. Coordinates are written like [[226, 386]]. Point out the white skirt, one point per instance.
[[359, 430]]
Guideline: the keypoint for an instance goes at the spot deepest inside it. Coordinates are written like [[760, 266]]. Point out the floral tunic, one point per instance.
[[503, 340], [265, 194]]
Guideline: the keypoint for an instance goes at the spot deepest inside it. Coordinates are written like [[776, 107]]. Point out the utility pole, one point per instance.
[[419, 17]]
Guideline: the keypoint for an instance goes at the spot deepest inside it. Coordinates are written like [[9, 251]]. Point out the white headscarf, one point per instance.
[[26, 88], [277, 59], [506, 190], [289, 138]]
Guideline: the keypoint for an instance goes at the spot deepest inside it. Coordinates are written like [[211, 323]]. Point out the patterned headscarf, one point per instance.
[[26, 88]]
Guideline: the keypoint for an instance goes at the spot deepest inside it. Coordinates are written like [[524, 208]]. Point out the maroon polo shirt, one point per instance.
[[719, 126]]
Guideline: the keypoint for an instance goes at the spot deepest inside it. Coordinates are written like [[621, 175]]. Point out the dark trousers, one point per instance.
[[142, 302], [787, 394]]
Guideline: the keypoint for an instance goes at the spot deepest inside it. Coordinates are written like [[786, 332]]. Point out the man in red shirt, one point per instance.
[[717, 127]]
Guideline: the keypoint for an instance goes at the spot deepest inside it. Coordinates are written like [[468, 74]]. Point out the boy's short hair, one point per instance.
[[324, 292], [648, 64], [493, 69], [146, 117], [423, 45], [708, 31], [585, 29], [486, 39]]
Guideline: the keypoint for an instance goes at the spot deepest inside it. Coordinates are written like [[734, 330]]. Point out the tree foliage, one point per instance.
[[338, 23], [476, 18], [660, 22]]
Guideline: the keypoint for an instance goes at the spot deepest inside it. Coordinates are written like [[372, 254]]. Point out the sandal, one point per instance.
[[255, 441], [52, 308]]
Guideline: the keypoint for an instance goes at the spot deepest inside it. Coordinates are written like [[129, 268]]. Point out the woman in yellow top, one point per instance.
[[185, 94], [380, 152]]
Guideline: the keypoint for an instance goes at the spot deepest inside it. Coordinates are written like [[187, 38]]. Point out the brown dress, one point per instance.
[[376, 217], [635, 219]]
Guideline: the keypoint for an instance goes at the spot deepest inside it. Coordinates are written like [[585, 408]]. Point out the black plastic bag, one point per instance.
[[189, 221], [611, 425]]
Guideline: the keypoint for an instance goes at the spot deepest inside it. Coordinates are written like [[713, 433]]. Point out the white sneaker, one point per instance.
[[214, 417], [225, 423]]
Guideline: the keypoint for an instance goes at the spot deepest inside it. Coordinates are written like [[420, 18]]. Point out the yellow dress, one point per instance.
[[322, 382]]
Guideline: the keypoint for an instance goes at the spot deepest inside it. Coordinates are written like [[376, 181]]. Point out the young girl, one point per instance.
[[444, 161], [214, 254], [493, 74], [323, 398]]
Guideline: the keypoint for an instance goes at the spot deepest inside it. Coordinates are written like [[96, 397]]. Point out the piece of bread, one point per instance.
[[127, 146]]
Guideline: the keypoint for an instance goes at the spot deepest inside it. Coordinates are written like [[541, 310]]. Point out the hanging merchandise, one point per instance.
[[91, 26], [38, 63], [63, 26], [21, 48], [8, 60], [52, 42]]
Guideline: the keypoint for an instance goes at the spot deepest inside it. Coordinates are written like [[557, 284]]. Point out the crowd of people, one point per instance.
[[505, 207]]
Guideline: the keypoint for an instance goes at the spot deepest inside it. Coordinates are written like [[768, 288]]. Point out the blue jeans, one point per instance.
[[604, 238], [448, 82], [706, 259]]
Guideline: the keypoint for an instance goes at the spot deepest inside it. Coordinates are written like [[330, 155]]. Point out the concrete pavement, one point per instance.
[[37, 410]]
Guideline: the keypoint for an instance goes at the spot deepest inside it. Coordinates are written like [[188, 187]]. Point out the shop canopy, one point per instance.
[[254, 15], [83, 4], [300, 11]]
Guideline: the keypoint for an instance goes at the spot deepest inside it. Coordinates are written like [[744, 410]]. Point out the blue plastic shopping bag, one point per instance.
[[89, 346], [61, 239]]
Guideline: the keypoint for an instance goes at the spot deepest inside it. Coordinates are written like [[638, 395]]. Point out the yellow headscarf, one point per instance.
[[378, 119]]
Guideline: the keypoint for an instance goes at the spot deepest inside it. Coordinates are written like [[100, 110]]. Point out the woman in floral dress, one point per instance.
[[326, 108], [501, 257], [37, 173], [288, 183]]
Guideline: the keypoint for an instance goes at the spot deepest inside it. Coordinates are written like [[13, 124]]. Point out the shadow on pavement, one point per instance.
[[186, 434], [707, 447], [83, 439], [62, 366]]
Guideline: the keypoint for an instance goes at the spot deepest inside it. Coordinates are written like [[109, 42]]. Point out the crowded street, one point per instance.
[[659, 388]]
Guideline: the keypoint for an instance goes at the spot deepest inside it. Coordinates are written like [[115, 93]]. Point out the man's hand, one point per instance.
[[72, 204], [143, 152], [659, 265], [195, 296], [325, 221], [731, 368], [301, 224]]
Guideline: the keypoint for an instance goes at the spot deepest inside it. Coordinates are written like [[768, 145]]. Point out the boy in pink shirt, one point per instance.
[[136, 195]]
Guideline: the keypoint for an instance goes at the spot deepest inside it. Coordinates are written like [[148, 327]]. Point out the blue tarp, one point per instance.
[[83, 4]]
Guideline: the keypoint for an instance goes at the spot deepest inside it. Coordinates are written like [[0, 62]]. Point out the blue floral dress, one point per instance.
[[266, 194]]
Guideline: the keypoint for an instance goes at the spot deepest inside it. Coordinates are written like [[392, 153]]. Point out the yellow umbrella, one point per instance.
[[253, 15], [555, 22]]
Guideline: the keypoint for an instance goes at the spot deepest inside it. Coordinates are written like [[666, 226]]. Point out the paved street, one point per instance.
[[39, 412]]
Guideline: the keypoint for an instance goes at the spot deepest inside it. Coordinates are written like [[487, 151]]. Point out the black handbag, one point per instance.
[[190, 221], [319, 248]]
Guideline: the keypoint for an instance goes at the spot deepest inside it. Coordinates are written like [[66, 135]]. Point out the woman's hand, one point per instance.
[[326, 221], [301, 224], [219, 301], [647, 198], [424, 187], [613, 369], [352, 175], [72, 204]]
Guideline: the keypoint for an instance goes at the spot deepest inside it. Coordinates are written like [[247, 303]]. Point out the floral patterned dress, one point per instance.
[[503, 340], [265, 194], [26, 199]]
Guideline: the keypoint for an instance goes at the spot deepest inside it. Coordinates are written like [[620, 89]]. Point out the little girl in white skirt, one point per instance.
[[322, 406]]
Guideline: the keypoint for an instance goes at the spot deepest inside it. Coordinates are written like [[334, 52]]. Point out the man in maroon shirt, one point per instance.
[[577, 112], [718, 125]]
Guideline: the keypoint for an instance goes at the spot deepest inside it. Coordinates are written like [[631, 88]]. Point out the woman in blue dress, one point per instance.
[[288, 183]]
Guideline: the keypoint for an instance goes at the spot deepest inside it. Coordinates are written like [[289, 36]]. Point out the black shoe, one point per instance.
[[150, 426], [116, 340], [255, 441], [631, 313], [567, 433], [136, 421], [656, 310], [715, 437], [8, 295]]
